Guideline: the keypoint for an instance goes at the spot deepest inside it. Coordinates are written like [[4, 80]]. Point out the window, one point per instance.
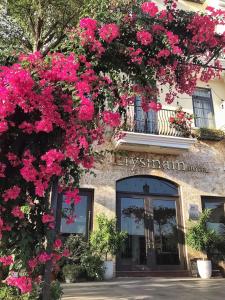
[[217, 218], [145, 122], [203, 108], [147, 185], [83, 212]]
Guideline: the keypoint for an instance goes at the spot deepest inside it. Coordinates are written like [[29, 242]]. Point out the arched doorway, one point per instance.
[[148, 208]]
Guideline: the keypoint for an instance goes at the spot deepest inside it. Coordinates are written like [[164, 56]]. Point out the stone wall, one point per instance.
[[208, 178]]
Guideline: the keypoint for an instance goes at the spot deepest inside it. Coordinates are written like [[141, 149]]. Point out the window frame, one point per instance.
[[212, 199], [89, 212], [210, 103]]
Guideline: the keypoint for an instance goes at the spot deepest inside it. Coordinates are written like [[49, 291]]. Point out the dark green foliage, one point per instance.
[[72, 272], [82, 262], [11, 293], [199, 237], [56, 290], [106, 239], [92, 265], [209, 134], [77, 245]]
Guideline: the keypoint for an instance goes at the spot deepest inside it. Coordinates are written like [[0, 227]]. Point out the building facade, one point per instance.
[[157, 180]]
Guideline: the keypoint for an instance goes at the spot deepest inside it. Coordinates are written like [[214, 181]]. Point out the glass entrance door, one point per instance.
[[132, 220], [165, 232], [152, 227]]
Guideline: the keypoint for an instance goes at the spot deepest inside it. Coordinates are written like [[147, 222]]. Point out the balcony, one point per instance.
[[151, 132]]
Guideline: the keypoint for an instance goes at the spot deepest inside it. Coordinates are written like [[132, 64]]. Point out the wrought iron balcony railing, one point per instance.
[[151, 122]]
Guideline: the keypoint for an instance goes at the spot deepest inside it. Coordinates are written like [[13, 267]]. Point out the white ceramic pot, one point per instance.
[[67, 280], [204, 268], [108, 269]]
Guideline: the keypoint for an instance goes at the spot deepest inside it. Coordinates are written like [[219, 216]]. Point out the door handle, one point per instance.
[[150, 244]]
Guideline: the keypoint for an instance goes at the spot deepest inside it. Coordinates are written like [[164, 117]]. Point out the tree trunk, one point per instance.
[[51, 235]]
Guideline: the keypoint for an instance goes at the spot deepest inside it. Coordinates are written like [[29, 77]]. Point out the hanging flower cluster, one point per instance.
[[181, 121], [53, 111]]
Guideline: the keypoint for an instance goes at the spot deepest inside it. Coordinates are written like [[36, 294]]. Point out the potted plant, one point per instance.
[[107, 242], [69, 273], [201, 238]]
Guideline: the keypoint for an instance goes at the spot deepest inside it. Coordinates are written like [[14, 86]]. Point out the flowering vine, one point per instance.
[[54, 111]]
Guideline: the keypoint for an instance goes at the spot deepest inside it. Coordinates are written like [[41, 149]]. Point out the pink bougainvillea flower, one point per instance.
[[23, 283], [150, 8], [66, 253], [109, 32], [144, 37], [27, 127], [6, 260], [31, 57], [29, 173], [57, 244], [3, 126], [71, 196], [32, 263], [112, 119], [47, 218], [86, 110], [163, 53], [13, 159], [17, 212], [88, 23], [51, 156], [88, 162], [44, 125], [44, 257], [12, 193], [2, 170], [155, 106], [136, 55]]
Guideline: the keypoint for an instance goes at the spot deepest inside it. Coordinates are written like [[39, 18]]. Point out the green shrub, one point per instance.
[[11, 293], [71, 272], [82, 263], [106, 239], [77, 245], [93, 266], [199, 237], [56, 290], [209, 134]]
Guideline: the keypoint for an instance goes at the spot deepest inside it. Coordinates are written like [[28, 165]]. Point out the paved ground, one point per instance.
[[147, 289]]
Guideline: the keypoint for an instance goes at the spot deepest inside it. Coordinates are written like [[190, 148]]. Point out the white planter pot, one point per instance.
[[108, 269], [68, 280], [204, 268]]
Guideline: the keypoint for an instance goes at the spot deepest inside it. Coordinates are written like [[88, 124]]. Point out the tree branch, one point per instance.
[[54, 44]]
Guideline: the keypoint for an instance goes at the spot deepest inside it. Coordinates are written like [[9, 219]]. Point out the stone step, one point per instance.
[[164, 273], [216, 273]]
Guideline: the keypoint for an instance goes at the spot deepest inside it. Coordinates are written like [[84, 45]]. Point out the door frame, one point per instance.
[[150, 232]]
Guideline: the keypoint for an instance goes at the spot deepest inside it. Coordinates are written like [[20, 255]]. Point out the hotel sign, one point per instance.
[[134, 162], [193, 212]]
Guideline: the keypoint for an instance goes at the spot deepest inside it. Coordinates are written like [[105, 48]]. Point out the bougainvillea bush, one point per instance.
[[54, 112]]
